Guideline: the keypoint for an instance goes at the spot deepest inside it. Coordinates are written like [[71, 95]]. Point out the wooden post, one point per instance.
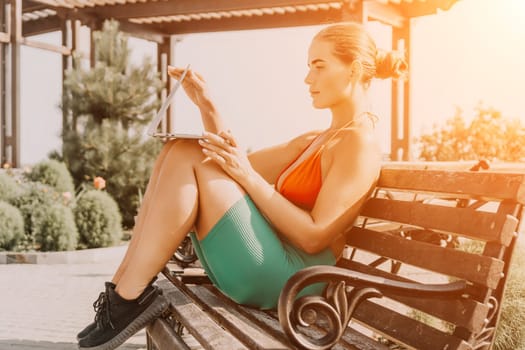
[[66, 34], [400, 128], [13, 135], [75, 29], [164, 58], [3, 85], [96, 25], [69, 39]]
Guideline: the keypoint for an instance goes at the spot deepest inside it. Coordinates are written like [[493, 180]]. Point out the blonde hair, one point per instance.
[[352, 42]]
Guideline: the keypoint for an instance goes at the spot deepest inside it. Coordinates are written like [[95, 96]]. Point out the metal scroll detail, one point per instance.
[[484, 339], [300, 317]]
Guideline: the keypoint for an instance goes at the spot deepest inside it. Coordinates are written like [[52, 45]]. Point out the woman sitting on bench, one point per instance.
[[258, 218]]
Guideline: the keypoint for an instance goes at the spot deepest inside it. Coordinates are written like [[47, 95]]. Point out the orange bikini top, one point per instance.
[[303, 183]]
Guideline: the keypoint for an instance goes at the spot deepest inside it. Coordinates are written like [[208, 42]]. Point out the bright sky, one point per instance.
[[473, 52]]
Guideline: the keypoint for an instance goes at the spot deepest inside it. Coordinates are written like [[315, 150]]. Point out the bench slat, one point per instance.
[[268, 320], [360, 341], [405, 329], [351, 340], [483, 270], [236, 323], [498, 186], [466, 313], [464, 221], [197, 322], [263, 319], [164, 337]]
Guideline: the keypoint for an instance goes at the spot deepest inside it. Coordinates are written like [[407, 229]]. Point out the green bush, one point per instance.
[[11, 226], [54, 228], [32, 200], [53, 173], [98, 219], [122, 158], [9, 188], [488, 135]]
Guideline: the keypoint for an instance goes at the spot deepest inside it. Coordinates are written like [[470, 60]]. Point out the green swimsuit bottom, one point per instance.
[[245, 258]]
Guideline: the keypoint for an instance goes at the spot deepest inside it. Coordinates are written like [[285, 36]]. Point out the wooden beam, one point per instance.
[[180, 7], [143, 31], [425, 8], [41, 26], [255, 22], [4, 37], [53, 3], [45, 46], [30, 6], [385, 13]]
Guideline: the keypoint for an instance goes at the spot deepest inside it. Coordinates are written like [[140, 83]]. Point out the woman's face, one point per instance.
[[328, 78]]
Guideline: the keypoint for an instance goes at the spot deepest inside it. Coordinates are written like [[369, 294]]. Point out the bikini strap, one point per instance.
[[373, 118]]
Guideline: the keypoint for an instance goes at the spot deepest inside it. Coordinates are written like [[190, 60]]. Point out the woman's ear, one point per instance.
[[356, 70]]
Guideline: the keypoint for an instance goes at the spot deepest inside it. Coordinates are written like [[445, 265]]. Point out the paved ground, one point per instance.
[[44, 306]]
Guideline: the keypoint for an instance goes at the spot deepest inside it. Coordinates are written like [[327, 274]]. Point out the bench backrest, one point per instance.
[[434, 226]]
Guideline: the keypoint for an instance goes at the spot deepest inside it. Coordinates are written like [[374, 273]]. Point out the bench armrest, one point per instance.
[[338, 304]]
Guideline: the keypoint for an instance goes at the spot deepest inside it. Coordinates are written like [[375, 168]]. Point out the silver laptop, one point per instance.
[[152, 129]]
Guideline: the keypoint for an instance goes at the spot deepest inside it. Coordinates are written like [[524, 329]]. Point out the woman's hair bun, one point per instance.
[[391, 64]]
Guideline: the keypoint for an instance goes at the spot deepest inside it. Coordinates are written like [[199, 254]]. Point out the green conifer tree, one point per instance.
[[108, 106]]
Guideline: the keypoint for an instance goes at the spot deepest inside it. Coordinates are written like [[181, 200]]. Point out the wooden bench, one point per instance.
[[425, 268]]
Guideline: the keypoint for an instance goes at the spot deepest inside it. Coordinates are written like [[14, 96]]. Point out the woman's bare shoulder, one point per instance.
[[302, 141], [354, 144]]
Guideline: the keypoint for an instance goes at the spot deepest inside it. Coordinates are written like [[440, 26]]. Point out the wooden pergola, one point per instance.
[[160, 20]]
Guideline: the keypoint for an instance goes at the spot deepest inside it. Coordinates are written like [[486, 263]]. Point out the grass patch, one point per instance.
[[510, 334]]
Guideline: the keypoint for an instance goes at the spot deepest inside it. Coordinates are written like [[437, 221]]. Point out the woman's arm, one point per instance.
[[351, 168], [195, 87], [269, 162]]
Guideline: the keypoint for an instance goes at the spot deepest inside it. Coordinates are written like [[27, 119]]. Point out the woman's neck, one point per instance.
[[347, 111]]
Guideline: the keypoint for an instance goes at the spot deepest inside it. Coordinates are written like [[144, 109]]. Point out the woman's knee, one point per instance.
[[184, 149]]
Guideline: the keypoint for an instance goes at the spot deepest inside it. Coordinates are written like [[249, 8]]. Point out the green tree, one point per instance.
[[114, 88], [108, 106], [489, 136]]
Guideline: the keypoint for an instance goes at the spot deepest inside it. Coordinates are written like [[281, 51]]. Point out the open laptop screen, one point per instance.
[[153, 126]]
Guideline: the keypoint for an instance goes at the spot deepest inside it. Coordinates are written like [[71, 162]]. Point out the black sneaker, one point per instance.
[[118, 319], [96, 305]]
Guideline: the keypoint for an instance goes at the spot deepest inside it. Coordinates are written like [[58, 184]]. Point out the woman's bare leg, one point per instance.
[[184, 180], [143, 210]]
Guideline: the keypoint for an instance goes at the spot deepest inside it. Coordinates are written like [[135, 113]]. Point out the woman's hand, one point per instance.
[[194, 85], [196, 89], [223, 150]]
